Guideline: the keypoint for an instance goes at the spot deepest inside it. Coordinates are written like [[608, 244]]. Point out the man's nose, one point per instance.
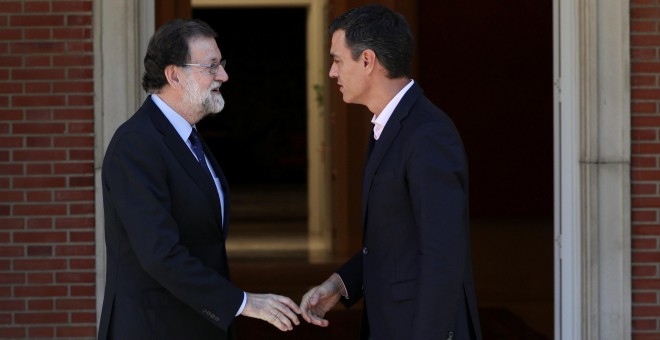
[[221, 75], [333, 71]]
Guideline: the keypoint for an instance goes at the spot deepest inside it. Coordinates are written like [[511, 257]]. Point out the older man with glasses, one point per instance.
[[166, 206]]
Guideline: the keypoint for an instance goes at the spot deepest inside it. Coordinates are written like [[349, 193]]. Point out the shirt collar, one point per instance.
[[179, 123], [380, 120]]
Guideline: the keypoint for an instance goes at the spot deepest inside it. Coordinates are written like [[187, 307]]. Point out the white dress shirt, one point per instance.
[[381, 119]]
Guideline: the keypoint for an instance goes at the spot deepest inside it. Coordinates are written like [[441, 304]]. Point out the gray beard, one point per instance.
[[214, 103], [204, 101]]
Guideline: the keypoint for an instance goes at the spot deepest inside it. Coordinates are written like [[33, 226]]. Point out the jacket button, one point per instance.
[[365, 250]]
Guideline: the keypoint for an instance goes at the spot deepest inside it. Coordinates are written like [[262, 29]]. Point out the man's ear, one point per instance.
[[172, 75], [368, 59]]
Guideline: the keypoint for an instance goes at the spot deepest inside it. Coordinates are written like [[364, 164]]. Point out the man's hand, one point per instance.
[[321, 299], [280, 311]]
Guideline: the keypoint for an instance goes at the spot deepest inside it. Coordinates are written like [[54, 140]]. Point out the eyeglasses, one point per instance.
[[213, 68]]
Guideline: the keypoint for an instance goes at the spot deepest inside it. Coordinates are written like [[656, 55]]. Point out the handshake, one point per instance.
[[282, 312]]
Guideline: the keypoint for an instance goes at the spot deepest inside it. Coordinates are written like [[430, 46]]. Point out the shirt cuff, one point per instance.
[[342, 289], [240, 310]]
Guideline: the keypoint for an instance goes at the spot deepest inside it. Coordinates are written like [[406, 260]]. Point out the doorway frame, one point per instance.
[[121, 31], [592, 148], [592, 169]]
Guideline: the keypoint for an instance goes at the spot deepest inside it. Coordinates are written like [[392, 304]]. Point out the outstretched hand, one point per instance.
[[320, 300], [279, 311]]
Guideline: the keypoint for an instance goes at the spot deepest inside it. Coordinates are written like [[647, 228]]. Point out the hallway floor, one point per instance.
[[269, 251]]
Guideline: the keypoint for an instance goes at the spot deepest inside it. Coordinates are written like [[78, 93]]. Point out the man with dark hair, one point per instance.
[[166, 206], [414, 270]]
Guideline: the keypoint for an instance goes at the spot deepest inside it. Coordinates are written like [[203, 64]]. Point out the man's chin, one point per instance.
[[215, 109]]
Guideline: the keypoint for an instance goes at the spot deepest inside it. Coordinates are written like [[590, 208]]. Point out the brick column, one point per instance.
[[47, 254], [645, 110]]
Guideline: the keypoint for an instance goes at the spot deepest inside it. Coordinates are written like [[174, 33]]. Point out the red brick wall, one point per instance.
[[645, 82], [47, 254]]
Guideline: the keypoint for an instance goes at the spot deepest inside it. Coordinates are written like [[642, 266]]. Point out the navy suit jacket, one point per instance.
[[167, 273], [414, 270]]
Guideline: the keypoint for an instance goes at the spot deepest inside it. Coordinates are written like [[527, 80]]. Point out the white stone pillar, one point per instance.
[[121, 32]]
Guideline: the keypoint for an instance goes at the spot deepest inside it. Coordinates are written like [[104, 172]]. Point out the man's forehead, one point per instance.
[[338, 36], [204, 47], [202, 42], [338, 43]]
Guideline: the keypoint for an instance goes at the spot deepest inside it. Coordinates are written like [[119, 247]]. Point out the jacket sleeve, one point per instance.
[[351, 274]]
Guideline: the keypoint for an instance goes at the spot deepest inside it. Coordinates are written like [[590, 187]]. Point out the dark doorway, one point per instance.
[[489, 66], [260, 138]]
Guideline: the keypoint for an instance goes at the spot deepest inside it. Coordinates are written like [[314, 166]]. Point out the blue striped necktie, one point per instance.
[[196, 143]]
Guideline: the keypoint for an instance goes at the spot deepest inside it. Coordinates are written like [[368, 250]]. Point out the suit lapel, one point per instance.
[[387, 137], [187, 160]]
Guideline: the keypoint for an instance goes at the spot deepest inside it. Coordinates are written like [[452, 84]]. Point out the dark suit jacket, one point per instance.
[[167, 273], [414, 270]]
